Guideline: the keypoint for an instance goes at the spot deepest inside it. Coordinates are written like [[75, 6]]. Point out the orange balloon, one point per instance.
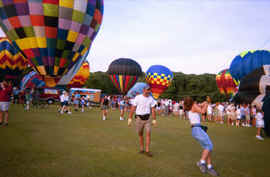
[[81, 77]]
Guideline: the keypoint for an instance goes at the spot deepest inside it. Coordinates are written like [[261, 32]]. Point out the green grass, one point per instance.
[[43, 143]]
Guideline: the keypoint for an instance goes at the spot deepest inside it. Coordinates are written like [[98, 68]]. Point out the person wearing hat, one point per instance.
[[143, 106]]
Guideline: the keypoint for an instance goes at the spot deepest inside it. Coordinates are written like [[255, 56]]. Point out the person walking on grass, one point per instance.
[[122, 104], [104, 107], [144, 106], [5, 94], [199, 133], [64, 98]]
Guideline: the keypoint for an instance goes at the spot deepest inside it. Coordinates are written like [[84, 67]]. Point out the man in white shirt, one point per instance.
[[144, 105]]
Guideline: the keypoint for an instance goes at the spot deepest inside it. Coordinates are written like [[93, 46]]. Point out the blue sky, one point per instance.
[[191, 36]]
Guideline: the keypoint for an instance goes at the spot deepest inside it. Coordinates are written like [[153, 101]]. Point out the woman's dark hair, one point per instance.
[[188, 102]]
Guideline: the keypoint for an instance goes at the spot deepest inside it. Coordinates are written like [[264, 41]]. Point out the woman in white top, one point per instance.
[[259, 124], [238, 116], [176, 109], [194, 111]]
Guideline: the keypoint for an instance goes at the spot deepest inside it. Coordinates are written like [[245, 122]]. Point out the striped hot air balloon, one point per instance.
[[12, 62], [124, 73], [32, 80]]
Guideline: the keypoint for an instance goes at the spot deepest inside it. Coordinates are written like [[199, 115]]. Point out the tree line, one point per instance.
[[196, 86]]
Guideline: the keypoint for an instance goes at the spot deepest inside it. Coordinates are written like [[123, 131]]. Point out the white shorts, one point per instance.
[[260, 124], [4, 106]]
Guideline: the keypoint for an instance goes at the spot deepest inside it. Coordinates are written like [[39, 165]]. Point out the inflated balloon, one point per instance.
[[136, 89], [159, 78], [81, 77], [32, 80], [248, 61], [124, 73], [71, 73], [12, 62], [254, 87], [52, 34], [226, 84]]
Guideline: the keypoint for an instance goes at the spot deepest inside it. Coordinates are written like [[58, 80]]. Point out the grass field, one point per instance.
[[43, 143]]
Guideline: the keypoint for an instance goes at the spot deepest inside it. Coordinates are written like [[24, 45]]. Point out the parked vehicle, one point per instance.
[[50, 95], [93, 95]]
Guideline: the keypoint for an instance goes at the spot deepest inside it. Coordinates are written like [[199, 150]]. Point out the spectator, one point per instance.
[[5, 94]]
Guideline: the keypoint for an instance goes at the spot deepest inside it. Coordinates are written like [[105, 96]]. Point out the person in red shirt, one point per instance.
[[5, 94]]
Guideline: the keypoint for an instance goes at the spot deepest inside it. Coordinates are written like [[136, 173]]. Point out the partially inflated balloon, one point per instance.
[[124, 73], [52, 34], [136, 89], [248, 61], [12, 62], [32, 80], [81, 77], [159, 78], [226, 84], [254, 86]]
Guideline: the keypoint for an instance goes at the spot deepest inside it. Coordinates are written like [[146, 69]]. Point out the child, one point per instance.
[[238, 116], [82, 103], [259, 123]]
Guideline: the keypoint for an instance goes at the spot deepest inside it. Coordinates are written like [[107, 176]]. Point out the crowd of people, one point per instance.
[[239, 115], [146, 108]]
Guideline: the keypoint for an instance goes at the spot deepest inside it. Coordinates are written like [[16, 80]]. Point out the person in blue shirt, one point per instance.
[[77, 98]]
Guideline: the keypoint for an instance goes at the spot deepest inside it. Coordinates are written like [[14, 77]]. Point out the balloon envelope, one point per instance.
[[248, 61], [136, 89], [124, 73], [32, 80], [159, 78], [81, 77], [12, 62], [73, 71], [52, 34], [254, 86], [226, 84]]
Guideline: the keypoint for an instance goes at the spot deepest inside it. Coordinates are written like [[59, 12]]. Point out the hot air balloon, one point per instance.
[[159, 78], [124, 73], [254, 87], [71, 73], [81, 77], [248, 61], [136, 89], [53, 34], [226, 84], [12, 62], [32, 80]]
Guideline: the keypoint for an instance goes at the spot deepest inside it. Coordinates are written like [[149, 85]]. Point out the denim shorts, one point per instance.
[[4, 106], [202, 137]]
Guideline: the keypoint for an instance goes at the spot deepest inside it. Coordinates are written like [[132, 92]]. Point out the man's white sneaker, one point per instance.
[[259, 137]]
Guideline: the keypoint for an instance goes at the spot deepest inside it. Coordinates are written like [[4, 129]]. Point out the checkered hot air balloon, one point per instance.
[[225, 83], [52, 34], [12, 62], [81, 76], [159, 78], [124, 73]]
